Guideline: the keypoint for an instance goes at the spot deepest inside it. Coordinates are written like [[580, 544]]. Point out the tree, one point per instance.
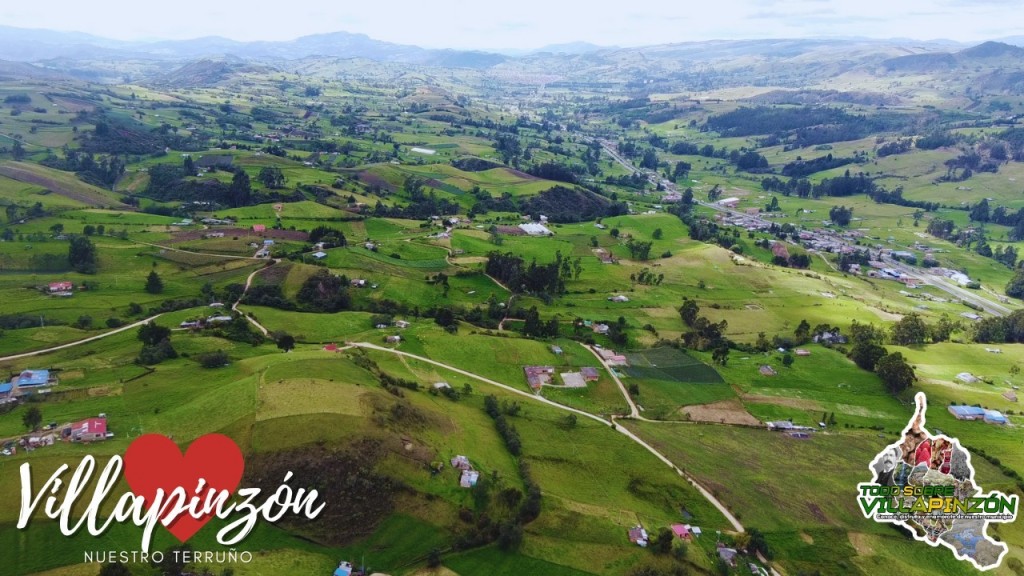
[[82, 255], [154, 285], [510, 535], [720, 355], [840, 215], [638, 249], [787, 360], [240, 191], [32, 418], [688, 311], [285, 341], [681, 171], [944, 328], [657, 235], [325, 292], [271, 177], [1015, 287], [866, 355], [151, 333], [662, 543], [895, 373], [212, 359], [802, 334], [570, 420], [909, 330], [980, 211]]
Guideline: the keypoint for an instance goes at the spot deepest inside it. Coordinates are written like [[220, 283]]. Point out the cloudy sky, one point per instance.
[[525, 24]]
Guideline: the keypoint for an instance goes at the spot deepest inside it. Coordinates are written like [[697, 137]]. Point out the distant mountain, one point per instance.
[[993, 50], [571, 48], [208, 72], [984, 53], [20, 70], [34, 45]]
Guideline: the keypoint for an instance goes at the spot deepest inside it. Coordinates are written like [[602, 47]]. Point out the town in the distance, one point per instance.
[[641, 311]]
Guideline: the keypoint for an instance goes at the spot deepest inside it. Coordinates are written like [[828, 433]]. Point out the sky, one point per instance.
[[526, 24]]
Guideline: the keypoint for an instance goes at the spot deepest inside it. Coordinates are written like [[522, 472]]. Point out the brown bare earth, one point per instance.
[[15, 172], [526, 177], [725, 412], [859, 542]]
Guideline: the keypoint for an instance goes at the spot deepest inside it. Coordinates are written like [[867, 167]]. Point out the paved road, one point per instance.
[[620, 429], [79, 342]]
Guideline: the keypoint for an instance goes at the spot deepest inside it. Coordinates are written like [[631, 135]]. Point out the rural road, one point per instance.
[[621, 430], [633, 411], [234, 307], [79, 342]]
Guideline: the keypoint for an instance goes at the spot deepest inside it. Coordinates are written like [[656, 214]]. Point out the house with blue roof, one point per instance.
[[344, 569], [995, 417], [967, 412], [33, 379], [5, 390]]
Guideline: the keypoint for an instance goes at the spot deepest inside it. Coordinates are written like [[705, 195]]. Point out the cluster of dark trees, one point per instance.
[[845, 185], [513, 272], [840, 215], [704, 334], [561, 204], [126, 137], [1006, 329], [526, 507], [746, 160], [82, 255], [325, 292], [867, 353], [570, 173], [898, 146], [1015, 287], [331, 237], [912, 330], [473, 164], [103, 171], [802, 126], [801, 168], [156, 344], [535, 327]]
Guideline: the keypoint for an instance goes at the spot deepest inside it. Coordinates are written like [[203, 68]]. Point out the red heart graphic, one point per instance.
[[153, 462]]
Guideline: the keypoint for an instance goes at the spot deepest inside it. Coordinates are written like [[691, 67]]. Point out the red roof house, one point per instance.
[[89, 430], [332, 347], [259, 228], [61, 286], [681, 530]]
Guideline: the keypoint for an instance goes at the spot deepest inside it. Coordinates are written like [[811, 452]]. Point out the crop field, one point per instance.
[[669, 364]]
